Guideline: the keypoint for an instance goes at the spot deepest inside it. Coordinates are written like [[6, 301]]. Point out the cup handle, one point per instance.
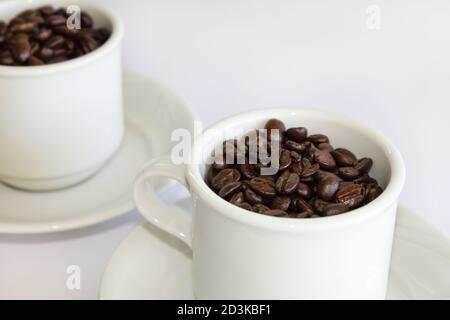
[[169, 218]]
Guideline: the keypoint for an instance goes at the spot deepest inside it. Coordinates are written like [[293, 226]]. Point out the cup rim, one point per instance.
[[114, 40], [387, 199]]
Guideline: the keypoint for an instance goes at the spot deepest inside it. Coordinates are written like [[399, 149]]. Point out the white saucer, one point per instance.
[[149, 264], [151, 113]]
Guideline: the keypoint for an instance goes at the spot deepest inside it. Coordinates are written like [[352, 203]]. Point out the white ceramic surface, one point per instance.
[[60, 123], [344, 256], [151, 113], [150, 264]]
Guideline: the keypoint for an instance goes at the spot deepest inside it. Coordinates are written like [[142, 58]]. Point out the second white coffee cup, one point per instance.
[[238, 254]]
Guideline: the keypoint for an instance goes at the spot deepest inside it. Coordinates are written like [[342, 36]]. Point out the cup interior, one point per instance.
[[342, 132]]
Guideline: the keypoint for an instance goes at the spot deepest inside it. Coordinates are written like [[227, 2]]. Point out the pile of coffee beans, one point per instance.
[[313, 178], [41, 36]]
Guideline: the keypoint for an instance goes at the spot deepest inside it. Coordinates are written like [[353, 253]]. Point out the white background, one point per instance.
[[225, 57]]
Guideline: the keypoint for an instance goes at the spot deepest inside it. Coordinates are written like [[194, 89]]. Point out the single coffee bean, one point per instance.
[[260, 208], [324, 159], [287, 183], [281, 202], [348, 173], [89, 44], [333, 209], [320, 205], [229, 189], [252, 197], [344, 157], [56, 20], [249, 171], [351, 195], [55, 41], [364, 165], [285, 160], [373, 193], [224, 177], [327, 187], [21, 48], [302, 206], [237, 198], [58, 52], [275, 213], [34, 48], [318, 139], [45, 53], [43, 35], [297, 134], [246, 206], [297, 167], [6, 58], [295, 146], [57, 59], [325, 147], [86, 21], [23, 27], [46, 10], [275, 127], [308, 168], [304, 191], [33, 61], [263, 187]]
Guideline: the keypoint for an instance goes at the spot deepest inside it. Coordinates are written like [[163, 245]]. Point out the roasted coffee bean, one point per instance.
[[252, 197], [33, 61], [263, 187], [325, 147], [275, 213], [297, 134], [46, 10], [304, 191], [245, 206], [237, 198], [364, 165], [328, 186], [21, 48], [287, 183], [373, 193], [333, 209], [43, 35], [3, 28], [351, 195], [276, 127], [56, 20], [86, 21], [318, 139], [348, 173], [55, 41], [344, 157], [295, 146], [249, 171], [260, 208], [23, 27], [320, 205], [57, 60], [302, 206], [6, 58], [308, 168], [229, 189], [311, 179], [324, 159], [46, 27], [281, 202], [285, 160], [224, 177]]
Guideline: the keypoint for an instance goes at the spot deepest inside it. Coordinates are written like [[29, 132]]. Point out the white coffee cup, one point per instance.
[[238, 254], [60, 123]]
